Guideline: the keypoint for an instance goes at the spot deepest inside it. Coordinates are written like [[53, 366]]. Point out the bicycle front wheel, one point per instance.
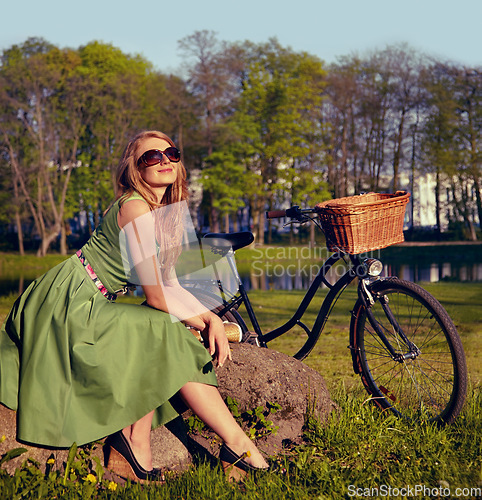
[[427, 375]]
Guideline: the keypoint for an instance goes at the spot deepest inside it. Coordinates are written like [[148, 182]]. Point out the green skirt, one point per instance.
[[77, 367]]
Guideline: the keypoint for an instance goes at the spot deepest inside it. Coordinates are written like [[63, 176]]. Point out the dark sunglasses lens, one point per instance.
[[173, 154], [151, 157]]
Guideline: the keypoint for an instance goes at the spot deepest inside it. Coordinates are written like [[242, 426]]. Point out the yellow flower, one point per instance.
[[51, 461], [244, 455], [112, 486], [91, 478], [2, 439]]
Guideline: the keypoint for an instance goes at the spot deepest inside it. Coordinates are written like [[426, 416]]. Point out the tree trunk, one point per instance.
[[258, 219], [235, 222], [413, 161], [47, 240], [342, 183], [18, 219], [18, 223], [312, 236], [472, 233], [213, 218], [437, 203], [478, 200], [261, 220], [398, 153], [63, 240]]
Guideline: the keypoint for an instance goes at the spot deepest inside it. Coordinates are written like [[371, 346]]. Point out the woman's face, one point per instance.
[[161, 175]]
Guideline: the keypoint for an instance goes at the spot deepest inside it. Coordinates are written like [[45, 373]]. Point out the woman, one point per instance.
[[78, 366]]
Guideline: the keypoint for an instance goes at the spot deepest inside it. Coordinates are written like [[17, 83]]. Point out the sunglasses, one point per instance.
[[154, 156]]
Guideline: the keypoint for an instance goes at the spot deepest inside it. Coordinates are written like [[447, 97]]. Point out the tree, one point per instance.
[[40, 156], [340, 110], [115, 85], [440, 129], [224, 179], [63, 109], [402, 66], [469, 111], [211, 67], [280, 90], [372, 108]]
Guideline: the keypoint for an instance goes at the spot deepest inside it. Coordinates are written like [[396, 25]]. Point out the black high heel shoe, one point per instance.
[[121, 461], [235, 467]]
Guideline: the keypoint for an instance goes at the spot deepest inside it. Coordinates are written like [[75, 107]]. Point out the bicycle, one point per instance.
[[403, 343]]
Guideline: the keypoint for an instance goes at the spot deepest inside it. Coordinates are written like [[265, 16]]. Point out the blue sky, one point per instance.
[[448, 29]]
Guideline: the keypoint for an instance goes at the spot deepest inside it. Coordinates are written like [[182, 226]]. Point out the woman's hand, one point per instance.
[[215, 336]]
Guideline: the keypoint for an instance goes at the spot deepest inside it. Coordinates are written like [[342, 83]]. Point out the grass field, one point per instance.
[[331, 356], [359, 453]]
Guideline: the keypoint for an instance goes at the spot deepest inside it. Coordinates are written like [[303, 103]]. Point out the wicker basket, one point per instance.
[[363, 223]]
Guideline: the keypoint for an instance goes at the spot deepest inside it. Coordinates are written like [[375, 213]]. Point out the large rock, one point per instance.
[[258, 377], [255, 378]]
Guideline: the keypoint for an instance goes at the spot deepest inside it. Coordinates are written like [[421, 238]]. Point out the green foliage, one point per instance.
[[224, 178], [305, 185], [82, 477], [90, 191], [11, 454], [275, 123], [195, 425], [255, 422]]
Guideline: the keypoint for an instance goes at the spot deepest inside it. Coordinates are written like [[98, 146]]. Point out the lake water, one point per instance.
[[277, 277], [297, 274]]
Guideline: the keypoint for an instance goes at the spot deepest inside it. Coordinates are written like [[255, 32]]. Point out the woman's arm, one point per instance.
[[135, 218]]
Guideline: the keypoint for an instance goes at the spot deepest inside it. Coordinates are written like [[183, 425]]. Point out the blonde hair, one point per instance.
[[129, 180], [169, 230]]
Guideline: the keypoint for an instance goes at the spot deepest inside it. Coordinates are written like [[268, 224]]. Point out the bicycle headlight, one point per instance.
[[373, 267]]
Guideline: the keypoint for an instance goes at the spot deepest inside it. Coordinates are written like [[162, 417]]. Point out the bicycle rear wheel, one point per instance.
[[430, 383]]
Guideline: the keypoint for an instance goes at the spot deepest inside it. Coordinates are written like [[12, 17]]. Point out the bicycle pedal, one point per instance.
[[250, 338]]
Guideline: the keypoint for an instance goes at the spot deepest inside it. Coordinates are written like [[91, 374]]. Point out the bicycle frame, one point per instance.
[[334, 291], [413, 350], [328, 302]]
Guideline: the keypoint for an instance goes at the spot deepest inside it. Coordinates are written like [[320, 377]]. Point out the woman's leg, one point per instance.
[[206, 402], [139, 436]]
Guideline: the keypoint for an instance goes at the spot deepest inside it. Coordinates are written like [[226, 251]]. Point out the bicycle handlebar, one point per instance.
[[275, 214], [294, 212]]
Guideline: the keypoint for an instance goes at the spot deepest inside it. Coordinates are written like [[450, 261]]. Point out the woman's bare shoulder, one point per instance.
[[130, 210]]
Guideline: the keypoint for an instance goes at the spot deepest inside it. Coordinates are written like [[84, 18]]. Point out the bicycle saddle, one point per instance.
[[223, 241]]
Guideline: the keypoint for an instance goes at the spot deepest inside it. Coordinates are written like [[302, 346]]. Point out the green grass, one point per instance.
[[331, 356], [11, 264], [358, 447]]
